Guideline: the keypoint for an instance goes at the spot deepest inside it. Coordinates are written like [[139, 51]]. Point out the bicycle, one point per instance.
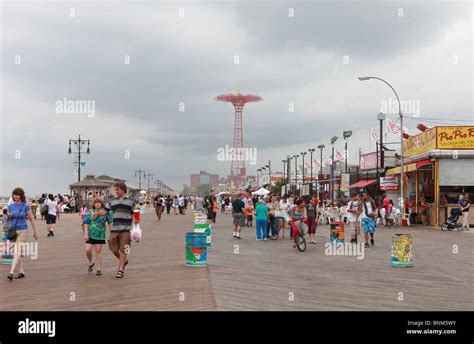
[[299, 230]]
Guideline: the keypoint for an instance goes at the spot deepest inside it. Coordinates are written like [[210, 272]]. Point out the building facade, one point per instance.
[[204, 178]]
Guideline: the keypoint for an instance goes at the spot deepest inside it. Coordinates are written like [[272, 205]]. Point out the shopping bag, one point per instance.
[[136, 233]]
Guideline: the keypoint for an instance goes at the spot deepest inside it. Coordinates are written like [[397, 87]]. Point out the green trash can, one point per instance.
[[206, 229], [196, 249]]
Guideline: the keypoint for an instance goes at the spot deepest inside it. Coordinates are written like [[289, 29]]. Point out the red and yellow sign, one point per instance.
[[420, 143], [439, 138], [455, 137]]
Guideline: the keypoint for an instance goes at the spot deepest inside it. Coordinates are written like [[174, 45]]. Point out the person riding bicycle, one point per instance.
[[298, 213]]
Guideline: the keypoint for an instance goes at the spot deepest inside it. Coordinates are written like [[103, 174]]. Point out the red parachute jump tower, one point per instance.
[[238, 170]]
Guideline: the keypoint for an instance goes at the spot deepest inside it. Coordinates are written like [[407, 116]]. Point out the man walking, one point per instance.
[[354, 209], [119, 238], [238, 207], [368, 218]]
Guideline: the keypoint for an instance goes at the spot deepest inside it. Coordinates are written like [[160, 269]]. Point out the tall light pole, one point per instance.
[[148, 177], [269, 174], [381, 117], [296, 169], [140, 173], [333, 141], [263, 173], [346, 134], [79, 143], [158, 186], [258, 177], [284, 174], [364, 78], [311, 150], [303, 154], [321, 147], [288, 170]]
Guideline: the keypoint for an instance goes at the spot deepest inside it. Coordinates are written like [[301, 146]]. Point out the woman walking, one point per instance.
[[465, 212], [283, 215], [52, 214], [95, 233], [312, 211], [175, 205], [298, 213], [158, 202], [18, 212], [273, 208], [261, 219]]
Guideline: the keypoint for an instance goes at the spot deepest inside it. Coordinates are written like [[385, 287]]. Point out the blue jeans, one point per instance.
[[274, 226], [261, 225]]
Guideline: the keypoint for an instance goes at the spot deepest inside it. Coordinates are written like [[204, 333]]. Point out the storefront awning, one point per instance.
[[363, 183], [409, 167]]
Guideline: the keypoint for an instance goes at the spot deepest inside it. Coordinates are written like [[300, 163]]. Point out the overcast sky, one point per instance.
[[311, 59]]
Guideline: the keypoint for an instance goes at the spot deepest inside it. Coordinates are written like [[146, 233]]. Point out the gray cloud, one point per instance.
[[190, 60]]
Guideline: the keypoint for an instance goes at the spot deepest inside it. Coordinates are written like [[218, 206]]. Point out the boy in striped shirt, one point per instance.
[[123, 220]]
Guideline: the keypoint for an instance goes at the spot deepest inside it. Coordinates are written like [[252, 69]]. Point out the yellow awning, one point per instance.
[[408, 168]]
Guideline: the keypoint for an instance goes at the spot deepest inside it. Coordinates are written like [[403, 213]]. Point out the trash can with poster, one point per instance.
[[196, 249], [337, 232]]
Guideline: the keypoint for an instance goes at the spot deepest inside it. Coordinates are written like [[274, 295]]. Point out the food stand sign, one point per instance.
[[456, 137], [420, 143], [389, 183]]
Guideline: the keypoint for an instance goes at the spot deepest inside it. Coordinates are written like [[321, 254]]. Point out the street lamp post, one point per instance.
[[333, 141], [263, 169], [148, 177], [158, 186], [346, 134], [139, 173], [296, 169], [258, 177], [288, 170], [269, 174], [79, 143], [321, 147], [311, 150], [284, 173], [401, 133], [303, 154]]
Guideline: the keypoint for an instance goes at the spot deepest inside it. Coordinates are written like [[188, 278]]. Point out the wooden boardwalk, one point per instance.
[[266, 275], [261, 276], [154, 278]]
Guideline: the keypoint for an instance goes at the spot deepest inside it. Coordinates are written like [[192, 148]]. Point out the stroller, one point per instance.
[[452, 221]]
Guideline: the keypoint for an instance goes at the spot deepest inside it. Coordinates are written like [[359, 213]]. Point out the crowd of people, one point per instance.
[[274, 215], [114, 212], [275, 218]]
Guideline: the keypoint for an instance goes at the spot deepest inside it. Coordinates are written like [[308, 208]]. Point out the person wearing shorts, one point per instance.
[[367, 218], [18, 212], [249, 211], [95, 233], [122, 221], [238, 207], [354, 209], [52, 214]]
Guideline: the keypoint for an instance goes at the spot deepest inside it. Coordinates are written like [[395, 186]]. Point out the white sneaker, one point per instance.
[[265, 239], [259, 239]]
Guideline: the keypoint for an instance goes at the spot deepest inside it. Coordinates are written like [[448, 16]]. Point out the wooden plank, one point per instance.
[[153, 280], [263, 274]]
